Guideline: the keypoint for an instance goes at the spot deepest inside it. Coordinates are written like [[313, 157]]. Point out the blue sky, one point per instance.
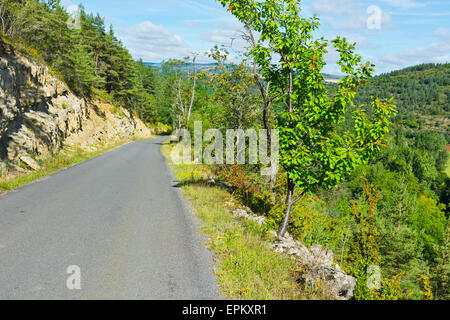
[[399, 33]]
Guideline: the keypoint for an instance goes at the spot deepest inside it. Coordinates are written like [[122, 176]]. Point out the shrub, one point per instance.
[[161, 128], [427, 293], [247, 188]]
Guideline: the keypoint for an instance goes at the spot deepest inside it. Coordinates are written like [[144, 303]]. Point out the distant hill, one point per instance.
[[200, 66], [208, 66], [422, 94], [332, 76]]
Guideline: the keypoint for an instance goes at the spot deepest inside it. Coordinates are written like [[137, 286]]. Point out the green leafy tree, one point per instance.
[[314, 150], [181, 84], [233, 92], [430, 223]]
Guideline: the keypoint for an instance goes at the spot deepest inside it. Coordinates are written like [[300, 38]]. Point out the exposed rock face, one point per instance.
[[38, 114], [319, 263]]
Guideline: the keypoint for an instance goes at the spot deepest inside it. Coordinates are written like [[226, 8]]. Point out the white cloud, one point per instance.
[[154, 43], [436, 52], [229, 35], [361, 42], [222, 35]]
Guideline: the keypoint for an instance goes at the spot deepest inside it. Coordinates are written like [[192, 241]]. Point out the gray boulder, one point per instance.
[[320, 267]]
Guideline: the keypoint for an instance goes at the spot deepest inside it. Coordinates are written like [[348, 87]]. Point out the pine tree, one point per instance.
[[80, 74], [441, 268]]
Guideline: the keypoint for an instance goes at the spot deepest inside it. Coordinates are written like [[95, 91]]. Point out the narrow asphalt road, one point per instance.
[[119, 218]]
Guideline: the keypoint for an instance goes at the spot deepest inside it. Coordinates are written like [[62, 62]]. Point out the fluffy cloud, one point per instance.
[[154, 43], [225, 34], [229, 35], [221, 36], [436, 52]]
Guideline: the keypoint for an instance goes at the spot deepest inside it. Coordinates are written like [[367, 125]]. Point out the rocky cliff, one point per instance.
[[39, 114]]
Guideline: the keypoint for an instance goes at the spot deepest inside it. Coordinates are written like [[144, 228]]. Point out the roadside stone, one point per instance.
[[321, 256], [340, 285], [258, 219], [240, 213], [2, 169], [30, 162], [321, 268]]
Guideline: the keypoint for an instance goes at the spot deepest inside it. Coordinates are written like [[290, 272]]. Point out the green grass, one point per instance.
[[246, 267], [69, 157]]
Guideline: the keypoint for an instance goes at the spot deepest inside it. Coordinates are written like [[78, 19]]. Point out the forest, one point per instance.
[[383, 201], [421, 92]]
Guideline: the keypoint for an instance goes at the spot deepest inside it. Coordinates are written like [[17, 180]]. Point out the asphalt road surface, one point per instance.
[[119, 218]]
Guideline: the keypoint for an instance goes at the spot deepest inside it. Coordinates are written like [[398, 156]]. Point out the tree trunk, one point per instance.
[[287, 213], [273, 173], [290, 202], [290, 184], [193, 91]]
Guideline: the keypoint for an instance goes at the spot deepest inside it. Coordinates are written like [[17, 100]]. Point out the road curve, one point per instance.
[[119, 218]]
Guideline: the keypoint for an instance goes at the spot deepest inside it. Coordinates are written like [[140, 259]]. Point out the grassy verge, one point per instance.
[[69, 156], [246, 267]]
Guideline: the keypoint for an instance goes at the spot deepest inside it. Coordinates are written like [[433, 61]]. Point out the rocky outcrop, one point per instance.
[[39, 114], [319, 267]]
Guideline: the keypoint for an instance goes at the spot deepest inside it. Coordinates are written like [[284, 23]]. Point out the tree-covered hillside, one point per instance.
[[422, 94]]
